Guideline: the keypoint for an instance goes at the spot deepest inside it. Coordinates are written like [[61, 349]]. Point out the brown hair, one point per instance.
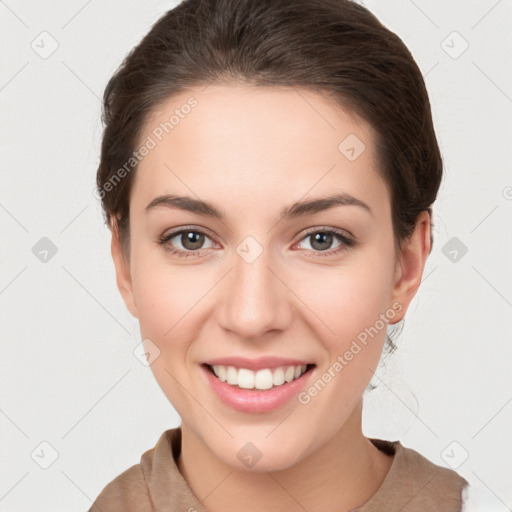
[[335, 47]]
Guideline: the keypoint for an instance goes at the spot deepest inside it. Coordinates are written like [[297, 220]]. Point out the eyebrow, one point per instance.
[[298, 209]]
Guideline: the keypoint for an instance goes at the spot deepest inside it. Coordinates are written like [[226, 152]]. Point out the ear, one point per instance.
[[123, 274], [411, 263]]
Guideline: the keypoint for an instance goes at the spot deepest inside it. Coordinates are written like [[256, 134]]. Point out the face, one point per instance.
[[251, 288]]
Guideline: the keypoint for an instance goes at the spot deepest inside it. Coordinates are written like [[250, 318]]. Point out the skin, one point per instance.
[[252, 151]]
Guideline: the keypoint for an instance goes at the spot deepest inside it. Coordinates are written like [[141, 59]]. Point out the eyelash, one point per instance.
[[346, 242]]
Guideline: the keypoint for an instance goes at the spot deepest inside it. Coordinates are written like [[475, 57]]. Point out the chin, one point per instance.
[[260, 457]]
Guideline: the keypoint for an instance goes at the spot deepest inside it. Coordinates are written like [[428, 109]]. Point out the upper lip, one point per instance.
[[256, 364]]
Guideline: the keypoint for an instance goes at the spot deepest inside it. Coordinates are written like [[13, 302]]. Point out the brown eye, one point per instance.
[[192, 240], [185, 242], [321, 241]]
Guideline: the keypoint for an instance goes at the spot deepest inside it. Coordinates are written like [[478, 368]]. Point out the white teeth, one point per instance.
[[232, 375], [289, 374], [261, 379], [221, 372], [278, 377], [245, 378]]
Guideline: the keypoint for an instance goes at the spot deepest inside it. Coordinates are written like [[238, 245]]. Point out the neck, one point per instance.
[[340, 476]]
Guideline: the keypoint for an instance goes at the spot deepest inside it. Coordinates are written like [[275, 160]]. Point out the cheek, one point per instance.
[[348, 299], [167, 299], [353, 309], [165, 294]]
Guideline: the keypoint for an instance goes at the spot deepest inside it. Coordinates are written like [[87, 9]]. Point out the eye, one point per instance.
[[191, 242], [321, 241]]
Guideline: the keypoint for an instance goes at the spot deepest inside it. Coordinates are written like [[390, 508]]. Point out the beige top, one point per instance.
[[413, 483]]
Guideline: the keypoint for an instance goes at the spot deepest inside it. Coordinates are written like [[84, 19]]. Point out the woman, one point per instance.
[[268, 170]]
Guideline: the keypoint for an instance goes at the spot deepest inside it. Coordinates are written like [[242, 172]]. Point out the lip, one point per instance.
[[256, 364], [254, 400]]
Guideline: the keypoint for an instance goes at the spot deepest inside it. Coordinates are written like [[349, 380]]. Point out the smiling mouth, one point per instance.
[[260, 380]]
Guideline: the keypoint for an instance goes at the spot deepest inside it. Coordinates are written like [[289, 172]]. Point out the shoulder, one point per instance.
[[432, 482], [127, 492], [140, 486], [416, 484]]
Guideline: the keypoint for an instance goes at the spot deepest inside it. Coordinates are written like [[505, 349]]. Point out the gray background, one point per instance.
[[69, 378]]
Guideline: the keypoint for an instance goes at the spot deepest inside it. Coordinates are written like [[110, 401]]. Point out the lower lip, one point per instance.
[[255, 400]]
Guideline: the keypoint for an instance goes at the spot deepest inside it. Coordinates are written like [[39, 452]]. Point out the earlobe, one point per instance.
[[412, 259], [123, 274]]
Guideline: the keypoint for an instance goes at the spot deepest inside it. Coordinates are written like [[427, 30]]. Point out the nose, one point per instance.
[[254, 298]]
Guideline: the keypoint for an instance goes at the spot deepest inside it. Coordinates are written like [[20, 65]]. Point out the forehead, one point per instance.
[[250, 144]]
